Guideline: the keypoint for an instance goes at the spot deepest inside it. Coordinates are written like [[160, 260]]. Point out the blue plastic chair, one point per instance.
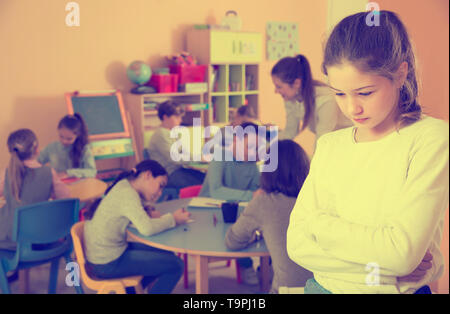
[[42, 234]]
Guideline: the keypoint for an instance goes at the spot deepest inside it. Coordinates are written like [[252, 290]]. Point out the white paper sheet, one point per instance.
[[210, 202]]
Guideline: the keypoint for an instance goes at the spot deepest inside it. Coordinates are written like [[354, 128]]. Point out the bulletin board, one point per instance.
[[282, 40]]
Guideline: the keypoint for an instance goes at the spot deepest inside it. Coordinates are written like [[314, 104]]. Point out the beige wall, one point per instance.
[[338, 9]]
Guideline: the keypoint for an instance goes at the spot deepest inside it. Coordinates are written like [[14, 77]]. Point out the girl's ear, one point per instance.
[[147, 175], [297, 84], [401, 74], [36, 151]]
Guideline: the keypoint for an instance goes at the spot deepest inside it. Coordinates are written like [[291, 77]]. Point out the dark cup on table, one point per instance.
[[229, 211]]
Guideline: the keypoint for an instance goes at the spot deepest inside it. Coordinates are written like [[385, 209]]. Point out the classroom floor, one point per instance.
[[222, 280]]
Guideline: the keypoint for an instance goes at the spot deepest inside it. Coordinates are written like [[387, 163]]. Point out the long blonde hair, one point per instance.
[[22, 145]]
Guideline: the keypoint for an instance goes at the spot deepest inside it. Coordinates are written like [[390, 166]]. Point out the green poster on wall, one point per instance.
[[282, 40]]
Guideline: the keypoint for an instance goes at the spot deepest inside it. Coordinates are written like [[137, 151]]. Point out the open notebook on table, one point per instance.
[[210, 202]]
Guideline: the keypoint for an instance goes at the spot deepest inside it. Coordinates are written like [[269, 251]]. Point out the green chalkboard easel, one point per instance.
[[104, 113], [107, 122]]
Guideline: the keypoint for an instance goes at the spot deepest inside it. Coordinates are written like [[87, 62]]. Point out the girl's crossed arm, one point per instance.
[[400, 245]]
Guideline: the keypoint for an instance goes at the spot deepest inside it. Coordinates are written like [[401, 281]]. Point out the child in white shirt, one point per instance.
[[374, 202]]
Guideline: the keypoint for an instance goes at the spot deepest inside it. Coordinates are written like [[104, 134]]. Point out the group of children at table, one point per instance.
[[28, 179], [374, 194]]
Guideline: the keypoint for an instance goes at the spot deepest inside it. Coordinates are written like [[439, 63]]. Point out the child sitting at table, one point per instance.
[[243, 114], [269, 211], [24, 182], [236, 179], [237, 116], [108, 253], [170, 113], [71, 156]]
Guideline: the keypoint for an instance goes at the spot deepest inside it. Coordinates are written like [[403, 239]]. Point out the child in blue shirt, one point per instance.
[[236, 179], [71, 155]]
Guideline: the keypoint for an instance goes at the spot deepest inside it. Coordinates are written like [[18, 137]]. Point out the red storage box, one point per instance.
[[189, 73], [165, 83]]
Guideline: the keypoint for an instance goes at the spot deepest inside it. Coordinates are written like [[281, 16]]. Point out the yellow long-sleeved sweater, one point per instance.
[[369, 211]]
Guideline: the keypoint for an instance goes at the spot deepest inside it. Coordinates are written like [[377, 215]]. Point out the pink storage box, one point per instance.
[[165, 83], [189, 73]]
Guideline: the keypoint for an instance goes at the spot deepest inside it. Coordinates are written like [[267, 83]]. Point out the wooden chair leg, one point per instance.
[[120, 290], [117, 288], [24, 280], [138, 289]]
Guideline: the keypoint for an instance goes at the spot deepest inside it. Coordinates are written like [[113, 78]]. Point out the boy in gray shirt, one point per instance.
[[170, 113]]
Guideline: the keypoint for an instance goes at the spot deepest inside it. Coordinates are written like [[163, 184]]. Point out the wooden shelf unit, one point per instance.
[[233, 69]]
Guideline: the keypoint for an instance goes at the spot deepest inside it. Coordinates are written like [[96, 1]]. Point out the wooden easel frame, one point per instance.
[[123, 114], [126, 120]]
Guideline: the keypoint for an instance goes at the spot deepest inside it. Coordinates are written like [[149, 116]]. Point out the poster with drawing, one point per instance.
[[282, 40]]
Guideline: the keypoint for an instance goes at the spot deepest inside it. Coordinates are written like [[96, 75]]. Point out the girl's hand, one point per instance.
[[181, 216], [258, 192], [63, 175], [206, 159], [154, 214], [149, 208], [420, 271]]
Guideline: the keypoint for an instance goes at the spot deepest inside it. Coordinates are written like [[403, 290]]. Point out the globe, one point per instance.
[[139, 73]]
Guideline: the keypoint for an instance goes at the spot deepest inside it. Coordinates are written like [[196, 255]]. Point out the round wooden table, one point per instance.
[[87, 189]]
